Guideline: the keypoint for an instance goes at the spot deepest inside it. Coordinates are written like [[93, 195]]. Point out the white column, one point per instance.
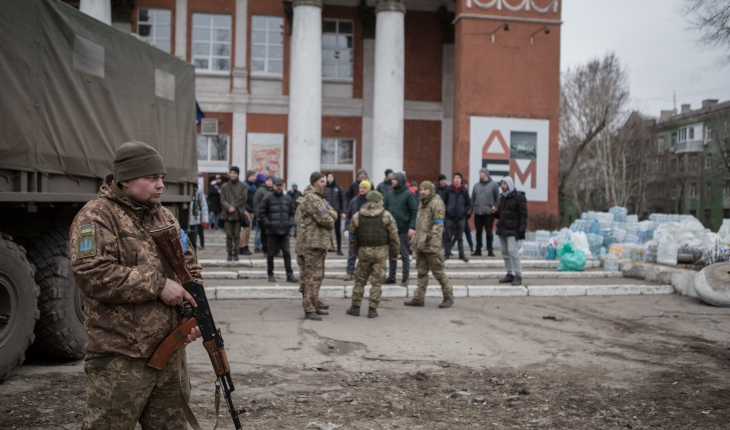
[[238, 158], [240, 74], [181, 29], [447, 123], [389, 87], [368, 53], [305, 92], [99, 9]]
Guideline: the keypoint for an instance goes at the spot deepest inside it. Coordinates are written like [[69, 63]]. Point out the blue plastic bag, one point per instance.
[[571, 260]]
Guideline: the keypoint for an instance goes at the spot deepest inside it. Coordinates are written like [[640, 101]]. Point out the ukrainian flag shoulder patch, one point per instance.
[[86, 241]]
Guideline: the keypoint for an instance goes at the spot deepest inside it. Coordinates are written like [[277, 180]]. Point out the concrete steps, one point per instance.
[[341, 263], [497, 274]]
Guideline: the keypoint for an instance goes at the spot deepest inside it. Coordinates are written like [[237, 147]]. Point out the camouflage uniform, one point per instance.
[[428, 246], [116, 265], [372, 258], [314, 219]]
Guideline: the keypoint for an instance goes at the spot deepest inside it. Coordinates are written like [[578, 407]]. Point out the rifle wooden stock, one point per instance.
[[168, 243], [218, 358], [171, 343]]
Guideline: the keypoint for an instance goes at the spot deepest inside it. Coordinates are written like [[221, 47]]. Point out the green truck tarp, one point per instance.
[[72, 89]]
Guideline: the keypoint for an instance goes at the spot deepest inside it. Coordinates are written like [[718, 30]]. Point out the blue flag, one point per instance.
[[199, 115]]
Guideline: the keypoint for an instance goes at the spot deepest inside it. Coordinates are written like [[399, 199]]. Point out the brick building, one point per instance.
[[421, 86]]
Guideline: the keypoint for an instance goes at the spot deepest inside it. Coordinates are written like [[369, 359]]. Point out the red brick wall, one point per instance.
[[422, 150], [423, 56], [508, 78]]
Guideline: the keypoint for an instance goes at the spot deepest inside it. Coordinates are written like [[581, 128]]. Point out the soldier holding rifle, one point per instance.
[[133, 299]]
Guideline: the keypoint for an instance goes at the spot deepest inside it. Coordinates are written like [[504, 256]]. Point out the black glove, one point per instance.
[[521, 235]]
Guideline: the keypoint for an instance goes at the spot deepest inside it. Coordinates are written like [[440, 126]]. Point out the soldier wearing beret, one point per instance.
[[132, 300]]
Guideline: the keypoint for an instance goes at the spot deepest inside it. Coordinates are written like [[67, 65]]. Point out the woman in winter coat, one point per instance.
[[336, 199], [511, 213]]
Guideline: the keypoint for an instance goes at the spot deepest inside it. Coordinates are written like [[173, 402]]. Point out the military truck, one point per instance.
[[72, 90]]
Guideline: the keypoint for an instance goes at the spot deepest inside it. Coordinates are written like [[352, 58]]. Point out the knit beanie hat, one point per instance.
[[374, 196], [136, 159], [366, 183], [260, 177], [441, 177], [427, 185], [250, 172], [316, 176], [235, 169]]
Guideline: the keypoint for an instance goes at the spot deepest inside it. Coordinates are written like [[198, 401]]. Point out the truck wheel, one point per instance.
[[60, 329], [18, 305]]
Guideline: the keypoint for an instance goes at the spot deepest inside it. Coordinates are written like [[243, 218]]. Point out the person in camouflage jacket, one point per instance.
[[132, 299], [314, 219], [428, 246], [373, 236]]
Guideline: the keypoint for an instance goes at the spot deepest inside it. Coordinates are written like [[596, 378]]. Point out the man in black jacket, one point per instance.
[[458, 210], [336, 198], [441, 186], [354, 189], [276, 214], [511, 227]]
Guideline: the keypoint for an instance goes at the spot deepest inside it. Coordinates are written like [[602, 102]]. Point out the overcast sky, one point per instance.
[[652, 40]]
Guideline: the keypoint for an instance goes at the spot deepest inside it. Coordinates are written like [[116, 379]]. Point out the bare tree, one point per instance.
[[592, 98], [712, 19]]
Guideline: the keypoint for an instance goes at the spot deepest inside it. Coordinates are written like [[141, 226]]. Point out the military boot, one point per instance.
[[230, 256], [246, 251], [447, 303], [312, 316], [235, 256], [354, 311], [414, 302], [321, 305], [322, 312], [372, 313], [292, 279]]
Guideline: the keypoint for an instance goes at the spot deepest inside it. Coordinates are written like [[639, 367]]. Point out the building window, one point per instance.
[[691, 133], [213, 148], [338, 153], [211, 42], [708, 218], [693, 212], [708, 189], [660, 145], [336, 49], [153, 26], [708, 161], [708, 133], [726, 213], [267, 45], [674, 140], [674, 192], [681, 163], [692, 190], [694, 162], [681, 134]]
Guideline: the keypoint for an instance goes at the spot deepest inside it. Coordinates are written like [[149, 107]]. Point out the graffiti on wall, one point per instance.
[[266, 153], [513, 147]]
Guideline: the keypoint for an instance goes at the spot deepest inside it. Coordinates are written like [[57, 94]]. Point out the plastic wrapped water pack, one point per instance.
[[671, 236], [646, 231], [619, 213], [665, 218], [580, 243]]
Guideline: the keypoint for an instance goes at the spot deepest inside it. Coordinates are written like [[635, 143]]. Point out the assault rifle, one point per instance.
[[169, 244]]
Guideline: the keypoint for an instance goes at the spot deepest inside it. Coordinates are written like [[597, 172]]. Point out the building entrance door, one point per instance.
[[344, 178]]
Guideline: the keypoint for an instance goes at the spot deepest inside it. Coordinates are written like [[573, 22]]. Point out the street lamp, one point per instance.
[[504, 27], [545, 29]]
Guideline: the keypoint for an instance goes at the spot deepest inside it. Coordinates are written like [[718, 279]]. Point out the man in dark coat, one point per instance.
[[458, 210], [266, 188], [336, 199], [233, 196], [294, 193], [511, 227], [401, 203], [276, 214], [214, 201], [441, 186], [250, 183], [386, 187]]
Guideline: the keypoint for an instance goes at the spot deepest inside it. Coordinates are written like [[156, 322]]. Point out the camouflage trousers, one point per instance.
[[370, 264], [122, 391], [311, 273], [434, 262]]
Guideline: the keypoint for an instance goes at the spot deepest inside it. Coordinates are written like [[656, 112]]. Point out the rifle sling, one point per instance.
[[189, 415]]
